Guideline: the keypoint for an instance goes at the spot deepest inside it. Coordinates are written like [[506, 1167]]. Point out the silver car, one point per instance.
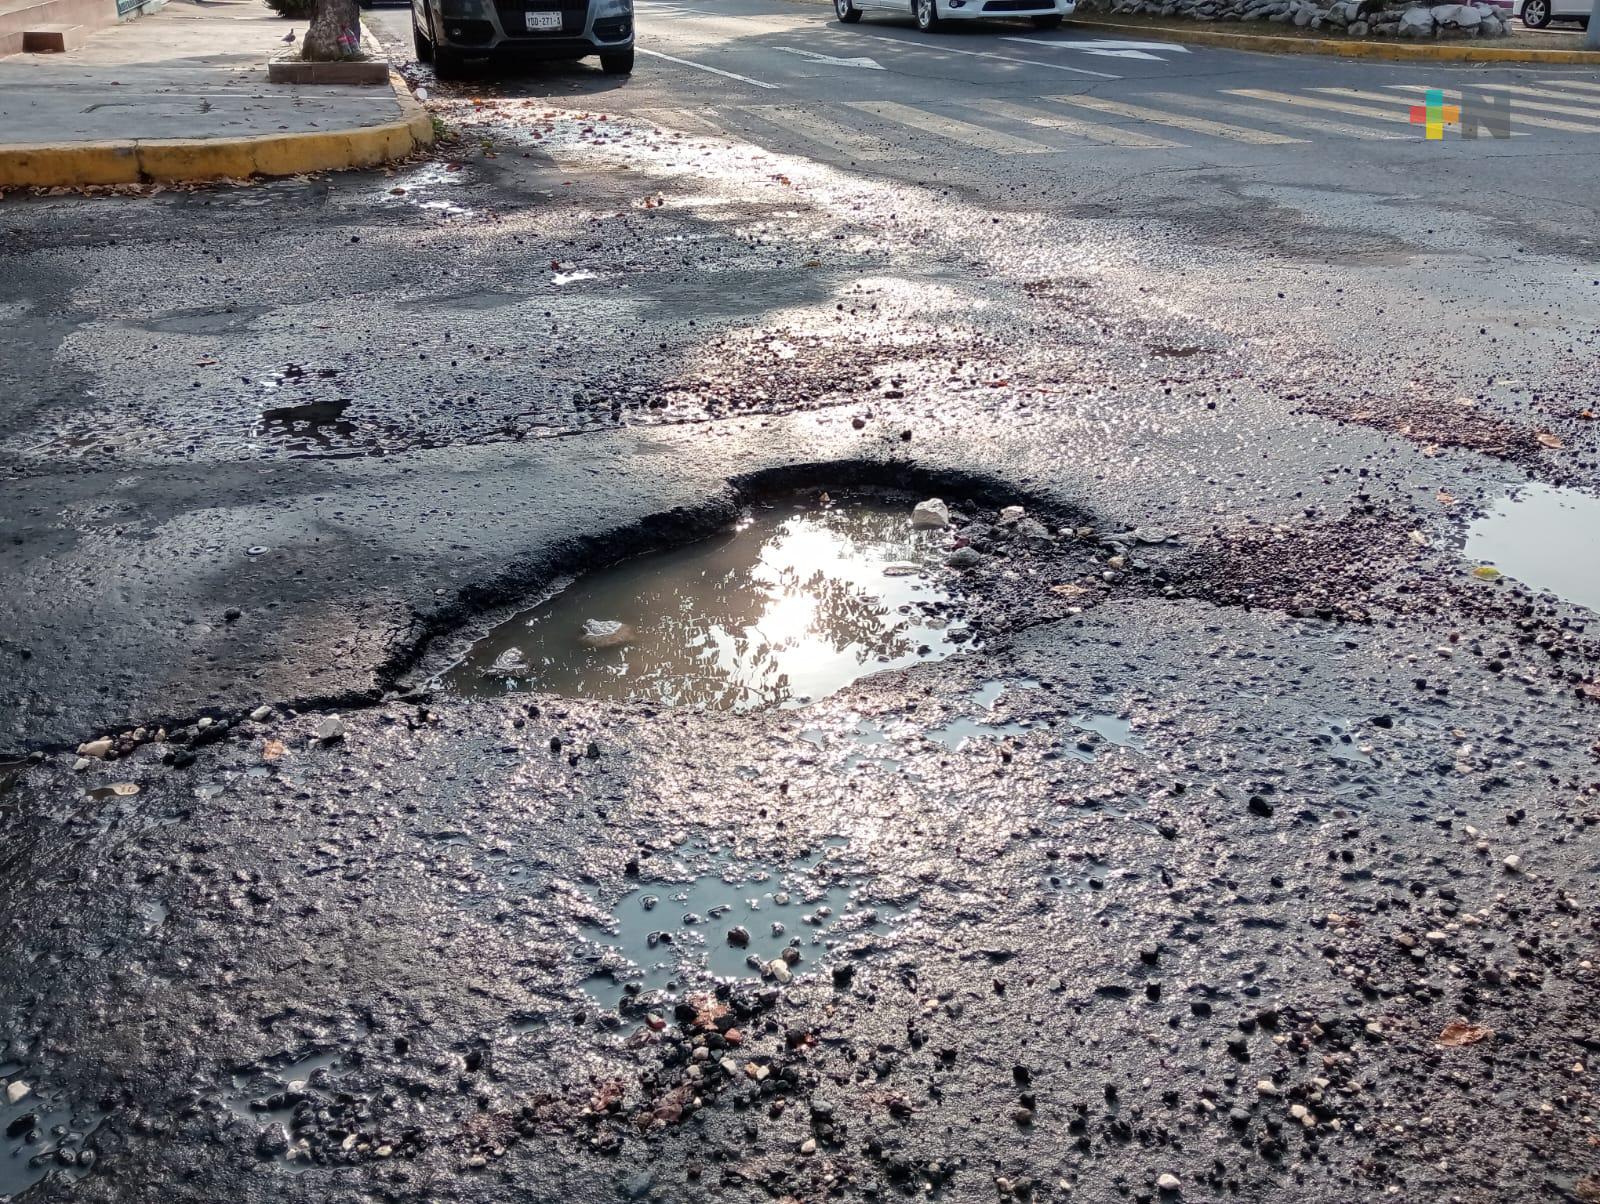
[[447, 33]]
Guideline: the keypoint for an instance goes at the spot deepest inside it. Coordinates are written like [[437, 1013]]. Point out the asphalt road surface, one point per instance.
[[1266, 867]]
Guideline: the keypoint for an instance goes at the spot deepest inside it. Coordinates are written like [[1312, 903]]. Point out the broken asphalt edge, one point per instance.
[[1350, 48], [182, 160]]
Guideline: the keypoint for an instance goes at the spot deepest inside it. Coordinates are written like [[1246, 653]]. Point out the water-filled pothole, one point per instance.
[[43, 1130], [1547, 538], [796, 602], [737, 920]]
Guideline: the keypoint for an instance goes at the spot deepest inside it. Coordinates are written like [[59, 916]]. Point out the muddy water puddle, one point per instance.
[[1546, 538], [792, 605], [43, 1131], [737, 919]]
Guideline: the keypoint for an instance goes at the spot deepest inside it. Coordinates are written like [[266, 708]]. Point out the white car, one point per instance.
[[930, 14], [1536, 14]]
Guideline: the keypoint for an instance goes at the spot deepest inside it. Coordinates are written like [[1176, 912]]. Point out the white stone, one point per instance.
[[330, 729], [1011, 514], [15, 1091], [606, 633], [1168, 1182], [261, 714], [81, 764], [95, 748], [1415, 23], [931, 513]]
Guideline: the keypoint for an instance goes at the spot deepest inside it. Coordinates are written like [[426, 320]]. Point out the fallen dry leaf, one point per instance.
[[1459, 1032], [1444, 498], [271, 750], [1549, 440], [1069, 590]]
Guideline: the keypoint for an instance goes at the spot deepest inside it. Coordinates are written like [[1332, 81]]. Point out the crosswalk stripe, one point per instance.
[[1182, 121], [814, 127], [1338, 129], [743, 79], [1393, 113], [1574, 107], [1581, 85], [1543, 123], [684, 121], [1110, 134], [963, 132]]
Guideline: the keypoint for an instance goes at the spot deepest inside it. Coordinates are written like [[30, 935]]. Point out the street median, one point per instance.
[[1355, 48]]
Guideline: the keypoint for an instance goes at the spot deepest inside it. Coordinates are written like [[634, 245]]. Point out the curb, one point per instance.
[[176, 160], [1403, 52]]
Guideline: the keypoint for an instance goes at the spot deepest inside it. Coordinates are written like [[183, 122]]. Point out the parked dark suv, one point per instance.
[[448, 32]]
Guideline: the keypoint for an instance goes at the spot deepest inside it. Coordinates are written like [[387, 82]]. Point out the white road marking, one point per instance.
[[963, 132], [866, 63], [682, 121], [1006, 58], [1338, 129], [743, 79], [1111, 134], [813, 126], [1518, 118], [1573, 109], [1108, 47], [1182, 121], [1572, 83]]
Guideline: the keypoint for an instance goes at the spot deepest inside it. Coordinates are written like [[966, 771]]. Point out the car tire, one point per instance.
[[927, 14], [1536, 13], [620, 63], [1052, 21], [846, 11], [420, 42]]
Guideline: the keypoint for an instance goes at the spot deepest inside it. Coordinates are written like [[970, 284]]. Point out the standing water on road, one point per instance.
[[795, 603], [1547, 538]]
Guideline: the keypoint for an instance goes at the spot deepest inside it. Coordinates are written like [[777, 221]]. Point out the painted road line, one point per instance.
[[1107, 47], [1518, 118], [1574, 108], [1113, 135], [823, 131], [963, 132], [829, 60], [743, 79], [1006, 58], [683, 121], [1181, 121], [1392, 113], [1581, 85], [1263, 117]]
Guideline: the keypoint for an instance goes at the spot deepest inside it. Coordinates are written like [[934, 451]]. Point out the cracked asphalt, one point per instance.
[[1269, 869]]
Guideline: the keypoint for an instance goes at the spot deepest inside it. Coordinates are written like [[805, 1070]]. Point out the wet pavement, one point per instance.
[[1215, 797]]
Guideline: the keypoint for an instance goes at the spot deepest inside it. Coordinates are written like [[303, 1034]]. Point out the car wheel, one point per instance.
[[846, 11], [420, 42], [1053, 21], [927, 14], [620, 63], [1536, 13]]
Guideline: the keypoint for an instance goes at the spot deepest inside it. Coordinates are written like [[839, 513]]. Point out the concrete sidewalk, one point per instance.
[[183, 94]]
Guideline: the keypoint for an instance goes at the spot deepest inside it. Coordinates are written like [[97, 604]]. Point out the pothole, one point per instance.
[[43, 1131], [1546, 538], [796, 602], [738, 919]]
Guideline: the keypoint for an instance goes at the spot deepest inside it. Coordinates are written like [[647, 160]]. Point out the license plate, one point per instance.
[[544, 21]]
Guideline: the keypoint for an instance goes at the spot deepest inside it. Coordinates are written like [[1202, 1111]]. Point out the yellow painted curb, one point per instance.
[[140, 161], [1352, 48]]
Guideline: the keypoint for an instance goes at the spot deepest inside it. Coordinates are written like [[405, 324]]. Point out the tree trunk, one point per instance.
[[335, 32]]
